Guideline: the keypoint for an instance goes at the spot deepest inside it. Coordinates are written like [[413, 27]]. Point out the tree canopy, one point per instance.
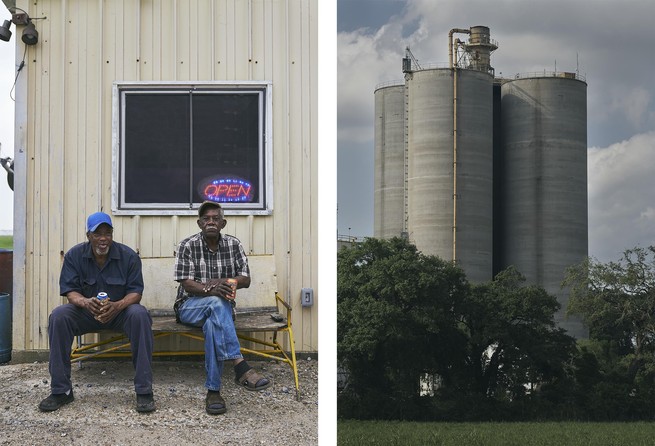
[[512, 340], [492, 350], [617, 301], [403, 315], [394, 316]]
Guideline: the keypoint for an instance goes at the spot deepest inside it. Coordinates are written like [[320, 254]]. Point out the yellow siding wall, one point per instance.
[[66, 141]]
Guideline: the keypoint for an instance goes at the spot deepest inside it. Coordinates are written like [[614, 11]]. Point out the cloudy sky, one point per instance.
[[608, 41], [7, 74]]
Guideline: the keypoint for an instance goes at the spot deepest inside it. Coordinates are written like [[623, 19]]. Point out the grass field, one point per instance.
[[358, 433], [6, 241]]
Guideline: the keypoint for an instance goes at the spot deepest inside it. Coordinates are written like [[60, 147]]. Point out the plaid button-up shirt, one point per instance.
[[195, 261]]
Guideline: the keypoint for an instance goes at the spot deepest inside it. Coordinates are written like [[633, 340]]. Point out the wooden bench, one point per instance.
[[260, 312]]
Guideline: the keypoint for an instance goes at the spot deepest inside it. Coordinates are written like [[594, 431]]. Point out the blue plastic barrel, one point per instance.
[[5, 327]]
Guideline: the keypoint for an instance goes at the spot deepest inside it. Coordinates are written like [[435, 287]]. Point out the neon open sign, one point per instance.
[[228, 190]]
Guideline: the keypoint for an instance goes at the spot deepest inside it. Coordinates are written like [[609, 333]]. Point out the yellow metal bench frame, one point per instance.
[[248, 320]]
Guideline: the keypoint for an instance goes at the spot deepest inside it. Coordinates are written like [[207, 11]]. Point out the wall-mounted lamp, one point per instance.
[[30, 34], [5, 32]]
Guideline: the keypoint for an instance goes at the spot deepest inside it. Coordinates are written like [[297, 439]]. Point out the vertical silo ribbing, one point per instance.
[[431, 186], [544, 188], [389, 187]]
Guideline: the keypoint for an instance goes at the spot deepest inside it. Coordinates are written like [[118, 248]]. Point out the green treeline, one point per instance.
[[417, 341]]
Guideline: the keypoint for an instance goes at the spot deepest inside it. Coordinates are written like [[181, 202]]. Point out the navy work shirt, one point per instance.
[[121, 274]]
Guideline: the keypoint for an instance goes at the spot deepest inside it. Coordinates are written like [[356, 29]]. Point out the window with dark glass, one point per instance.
[[181, 146]]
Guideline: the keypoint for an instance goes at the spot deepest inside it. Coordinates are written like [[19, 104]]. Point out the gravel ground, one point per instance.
[[103, 412]]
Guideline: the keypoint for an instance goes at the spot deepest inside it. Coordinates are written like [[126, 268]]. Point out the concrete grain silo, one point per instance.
[[450, 164], [389, 188], [544, 181], [483, 171]]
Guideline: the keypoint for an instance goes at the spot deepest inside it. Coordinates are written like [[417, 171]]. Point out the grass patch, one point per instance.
[[358, 433], [7, 241]]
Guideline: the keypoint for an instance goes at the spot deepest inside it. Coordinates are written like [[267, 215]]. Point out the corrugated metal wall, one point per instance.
[[64, 141]]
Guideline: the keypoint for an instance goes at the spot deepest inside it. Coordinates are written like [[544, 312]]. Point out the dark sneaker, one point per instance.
[[145, 403], [214, 403], [55, 401]]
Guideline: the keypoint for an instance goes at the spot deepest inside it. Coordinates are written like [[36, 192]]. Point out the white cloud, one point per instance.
[[363, 62], [621, 181]]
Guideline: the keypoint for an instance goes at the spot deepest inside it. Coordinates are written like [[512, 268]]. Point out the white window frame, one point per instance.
[[266, 177]]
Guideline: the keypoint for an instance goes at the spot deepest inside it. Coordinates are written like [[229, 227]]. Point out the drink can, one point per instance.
[[233, 284], [103, 298]]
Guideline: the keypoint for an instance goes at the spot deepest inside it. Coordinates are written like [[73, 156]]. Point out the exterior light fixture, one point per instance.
[[20, 17], [30, 34], [5, 32]]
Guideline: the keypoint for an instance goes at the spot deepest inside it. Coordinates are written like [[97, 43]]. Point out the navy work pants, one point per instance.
[[67, 321]]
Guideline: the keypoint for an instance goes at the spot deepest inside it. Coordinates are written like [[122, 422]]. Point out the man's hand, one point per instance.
[[210, 285], [93, 305], [108, 311], [103, 313], [218, 287]]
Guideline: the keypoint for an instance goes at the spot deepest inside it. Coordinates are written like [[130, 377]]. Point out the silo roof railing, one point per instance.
[[432, 66], [441, 65], [560, 74], [396, 83]]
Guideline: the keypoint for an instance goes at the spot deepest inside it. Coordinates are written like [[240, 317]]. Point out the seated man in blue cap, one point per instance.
[[100, 265]]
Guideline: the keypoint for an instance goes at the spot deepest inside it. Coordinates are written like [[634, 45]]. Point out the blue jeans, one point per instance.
[[67, 321], [214, 315]]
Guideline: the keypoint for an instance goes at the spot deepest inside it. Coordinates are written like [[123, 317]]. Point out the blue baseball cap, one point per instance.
[[96, 220]]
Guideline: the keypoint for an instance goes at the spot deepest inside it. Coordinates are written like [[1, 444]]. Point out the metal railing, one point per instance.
[[395, 83], [528, 75], [350, 238], [545, 73]]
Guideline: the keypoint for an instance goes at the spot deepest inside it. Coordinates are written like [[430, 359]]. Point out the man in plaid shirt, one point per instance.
[[203, 264]]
